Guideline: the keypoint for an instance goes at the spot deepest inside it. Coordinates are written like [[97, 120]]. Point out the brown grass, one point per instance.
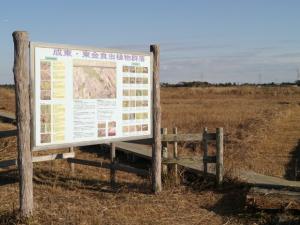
[[261, 127]]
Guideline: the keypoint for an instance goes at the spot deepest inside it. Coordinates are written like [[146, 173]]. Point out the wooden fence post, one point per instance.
[[22, 89], [219, 163], [165, 154], [156, 148], [112, 161], [296, 169], [175, 155], [205, 150], [72, 165]]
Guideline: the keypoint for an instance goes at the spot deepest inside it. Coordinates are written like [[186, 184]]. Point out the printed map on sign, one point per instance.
[[84, 96], [94, 79]]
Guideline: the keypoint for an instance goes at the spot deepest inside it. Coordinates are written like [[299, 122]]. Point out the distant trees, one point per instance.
[[228, 84]]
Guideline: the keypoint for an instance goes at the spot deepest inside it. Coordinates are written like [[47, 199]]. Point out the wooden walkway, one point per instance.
[[195, 164], [145, 151], [264, 181]]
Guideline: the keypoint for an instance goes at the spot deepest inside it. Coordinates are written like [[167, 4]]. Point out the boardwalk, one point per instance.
[[145, 151], [196, 164]]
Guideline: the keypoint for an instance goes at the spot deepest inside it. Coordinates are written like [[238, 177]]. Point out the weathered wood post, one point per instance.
[[205, 150], [175, 155], [22, 89], [72, 165], [112, 161], [219, 164], [156, 148], [165, 154], [296, 169]]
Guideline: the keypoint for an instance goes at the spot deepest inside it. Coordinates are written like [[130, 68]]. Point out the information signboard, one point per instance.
[[87, 96]]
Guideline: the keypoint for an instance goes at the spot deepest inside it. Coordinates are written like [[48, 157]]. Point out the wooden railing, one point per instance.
[[204, 138], [169, 163]]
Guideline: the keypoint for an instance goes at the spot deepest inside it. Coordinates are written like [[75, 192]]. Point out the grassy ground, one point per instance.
[[262, 134]]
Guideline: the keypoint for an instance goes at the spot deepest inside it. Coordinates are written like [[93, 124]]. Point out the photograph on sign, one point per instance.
[[83, 95]]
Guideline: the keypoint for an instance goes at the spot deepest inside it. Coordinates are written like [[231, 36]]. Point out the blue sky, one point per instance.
[[215, 41]]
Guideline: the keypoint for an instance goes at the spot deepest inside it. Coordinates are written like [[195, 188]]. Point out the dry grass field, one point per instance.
[[262, 131]]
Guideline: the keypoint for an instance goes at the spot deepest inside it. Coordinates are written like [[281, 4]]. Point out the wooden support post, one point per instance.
[[72, 165], [22, 89], [165, 154], [112, 161], [205, 150], [156, 148], [175, 156], [296, 169], [219, 164]]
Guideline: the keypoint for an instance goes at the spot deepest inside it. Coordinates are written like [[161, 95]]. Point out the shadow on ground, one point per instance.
[[103, 151], [8, 177], [54, 178], [293, 164]]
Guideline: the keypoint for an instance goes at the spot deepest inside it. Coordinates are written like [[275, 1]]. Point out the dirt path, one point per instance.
[[280, 146]]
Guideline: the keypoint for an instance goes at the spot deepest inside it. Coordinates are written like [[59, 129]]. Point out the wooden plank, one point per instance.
[[175, 156], [263, 198], [274, 192], [197, 167], [144, 151], [22, 89], [53, 157], [8, 133], [7, 116], [192, 163], [72, 165], [179, 160], [260, 180], [164, 154], [219, 158], [106, 165], [205, 149], [13, 162], [187, 137], [156, 150], [181, 137], [112, 161]]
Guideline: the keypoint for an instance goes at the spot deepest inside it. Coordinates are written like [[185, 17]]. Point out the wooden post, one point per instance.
[[205, 150], [219, 164], [165, 154], [112, 161], [296, 169], [156, 148], [72, 165], [22, 89], [175, 155]]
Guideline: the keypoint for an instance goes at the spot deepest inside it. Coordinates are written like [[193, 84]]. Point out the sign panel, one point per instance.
[[83, 95]]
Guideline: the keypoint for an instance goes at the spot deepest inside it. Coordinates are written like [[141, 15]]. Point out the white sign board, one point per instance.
[[89, 96]]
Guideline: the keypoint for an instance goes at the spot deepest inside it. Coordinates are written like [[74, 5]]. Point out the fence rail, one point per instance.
[[44, 158], [7, 116], [200, 164]]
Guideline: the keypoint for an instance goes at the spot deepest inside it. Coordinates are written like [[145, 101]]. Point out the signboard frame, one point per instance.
[[32, 87]]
